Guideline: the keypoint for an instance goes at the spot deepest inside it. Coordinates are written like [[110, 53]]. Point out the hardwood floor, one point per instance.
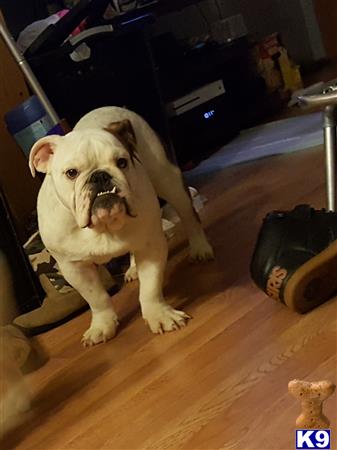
[[222, 381]]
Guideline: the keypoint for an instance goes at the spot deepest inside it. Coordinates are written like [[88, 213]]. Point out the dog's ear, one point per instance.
[[41, 153], [125, 133]]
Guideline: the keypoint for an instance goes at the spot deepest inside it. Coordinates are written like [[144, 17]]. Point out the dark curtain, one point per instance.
[[28, 290]]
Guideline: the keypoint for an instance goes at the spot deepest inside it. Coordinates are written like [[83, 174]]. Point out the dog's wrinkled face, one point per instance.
[[94, 173]]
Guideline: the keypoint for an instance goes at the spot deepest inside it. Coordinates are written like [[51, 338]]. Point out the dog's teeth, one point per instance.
[[113, 191]]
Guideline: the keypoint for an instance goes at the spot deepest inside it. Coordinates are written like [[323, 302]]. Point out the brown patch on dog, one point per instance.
[[124, 132]]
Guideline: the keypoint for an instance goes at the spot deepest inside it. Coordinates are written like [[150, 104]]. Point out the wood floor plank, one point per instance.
[[220, 383]]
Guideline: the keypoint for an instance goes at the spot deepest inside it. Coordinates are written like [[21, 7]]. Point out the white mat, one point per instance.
[[274, 138]]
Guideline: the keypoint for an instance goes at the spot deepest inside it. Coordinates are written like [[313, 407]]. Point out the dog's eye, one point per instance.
[[72, 173], [122, 163]]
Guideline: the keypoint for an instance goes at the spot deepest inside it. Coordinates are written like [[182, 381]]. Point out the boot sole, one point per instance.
[[313, 283]]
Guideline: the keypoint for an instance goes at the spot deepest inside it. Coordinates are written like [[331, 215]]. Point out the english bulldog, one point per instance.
[[99, 200]]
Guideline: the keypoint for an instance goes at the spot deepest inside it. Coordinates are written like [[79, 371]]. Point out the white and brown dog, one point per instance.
[[99, 201]]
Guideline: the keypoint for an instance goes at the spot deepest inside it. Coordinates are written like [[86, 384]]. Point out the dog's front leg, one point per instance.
[[131, 273], [151, 263], [84, 277]]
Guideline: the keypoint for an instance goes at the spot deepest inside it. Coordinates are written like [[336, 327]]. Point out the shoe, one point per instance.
[[58, 308], [295, 257]]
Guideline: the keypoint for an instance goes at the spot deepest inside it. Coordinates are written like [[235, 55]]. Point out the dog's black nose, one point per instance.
[[100, 177]]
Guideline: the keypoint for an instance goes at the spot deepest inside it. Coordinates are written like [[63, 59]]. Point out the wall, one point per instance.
[[294, 19], [326, 11]]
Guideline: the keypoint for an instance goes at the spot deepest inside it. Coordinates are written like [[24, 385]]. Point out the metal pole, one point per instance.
[[329, 124], [29, 75]]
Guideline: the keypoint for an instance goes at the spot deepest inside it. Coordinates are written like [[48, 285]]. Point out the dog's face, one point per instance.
[[93, 172]]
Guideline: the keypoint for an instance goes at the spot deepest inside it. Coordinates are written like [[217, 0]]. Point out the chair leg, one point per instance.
[[330, 145]]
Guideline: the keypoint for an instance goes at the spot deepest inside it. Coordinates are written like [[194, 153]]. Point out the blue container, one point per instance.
[[29, 122]]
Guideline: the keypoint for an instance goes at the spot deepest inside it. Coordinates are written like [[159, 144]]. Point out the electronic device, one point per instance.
[[201, 121], [197, 97]]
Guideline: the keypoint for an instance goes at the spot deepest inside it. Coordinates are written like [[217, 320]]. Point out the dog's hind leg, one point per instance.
[[170, 186], [84, 277]]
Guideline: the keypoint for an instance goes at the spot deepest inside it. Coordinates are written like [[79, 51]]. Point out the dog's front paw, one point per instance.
[[200, 250], [162, 317], [103, 327], [131, 274]]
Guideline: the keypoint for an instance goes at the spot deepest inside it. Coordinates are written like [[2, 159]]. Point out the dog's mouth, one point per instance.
[[114, 190], [108, 209]]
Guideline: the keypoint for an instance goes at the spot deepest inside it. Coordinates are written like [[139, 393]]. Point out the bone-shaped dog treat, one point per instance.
[[312, 396]]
